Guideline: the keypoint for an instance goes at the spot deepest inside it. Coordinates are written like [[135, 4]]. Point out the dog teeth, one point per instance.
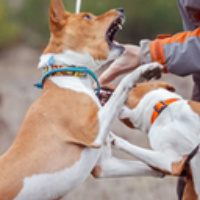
[[120, 26], [117, 25]]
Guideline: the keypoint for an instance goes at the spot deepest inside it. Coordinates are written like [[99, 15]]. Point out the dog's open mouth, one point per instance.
[[115, 26], [105, 95]]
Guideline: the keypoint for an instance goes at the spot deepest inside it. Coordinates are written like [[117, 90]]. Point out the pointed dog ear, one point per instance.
[[57, 14]]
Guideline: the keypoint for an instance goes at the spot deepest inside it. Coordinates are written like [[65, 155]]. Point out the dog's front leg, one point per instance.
[[111, 109], [159, 161], [113, 167], [110, 167]]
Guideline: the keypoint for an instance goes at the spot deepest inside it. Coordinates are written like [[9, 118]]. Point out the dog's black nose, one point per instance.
[[120, 10]]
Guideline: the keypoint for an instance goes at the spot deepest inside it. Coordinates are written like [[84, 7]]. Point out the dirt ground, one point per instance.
[[18, 73]]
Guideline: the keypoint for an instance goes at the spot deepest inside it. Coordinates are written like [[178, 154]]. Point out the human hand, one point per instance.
[[125, 63]]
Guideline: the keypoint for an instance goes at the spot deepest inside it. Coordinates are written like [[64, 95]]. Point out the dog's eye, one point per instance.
[[87, 17]]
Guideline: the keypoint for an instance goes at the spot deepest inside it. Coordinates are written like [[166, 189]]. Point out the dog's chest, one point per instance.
[[74, 115], [70, 117]]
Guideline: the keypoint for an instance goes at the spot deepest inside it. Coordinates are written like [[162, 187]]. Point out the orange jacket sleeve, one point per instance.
[[180, 54]]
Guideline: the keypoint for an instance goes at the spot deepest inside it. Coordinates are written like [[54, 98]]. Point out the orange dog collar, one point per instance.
[[160, 106]]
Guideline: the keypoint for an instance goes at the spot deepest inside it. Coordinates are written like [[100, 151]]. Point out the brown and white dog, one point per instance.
[[173, 128], [61, 138]]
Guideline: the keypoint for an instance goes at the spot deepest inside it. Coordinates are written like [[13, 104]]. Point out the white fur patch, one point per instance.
[[73, 58], [58, 184]]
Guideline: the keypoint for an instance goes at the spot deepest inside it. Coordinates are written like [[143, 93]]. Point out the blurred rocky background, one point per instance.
[[23, 35]]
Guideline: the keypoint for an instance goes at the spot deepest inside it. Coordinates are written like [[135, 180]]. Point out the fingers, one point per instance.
[[125, 63], [107, 76]]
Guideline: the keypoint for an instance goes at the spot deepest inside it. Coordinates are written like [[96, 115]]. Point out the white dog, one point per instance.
[[173, 128]]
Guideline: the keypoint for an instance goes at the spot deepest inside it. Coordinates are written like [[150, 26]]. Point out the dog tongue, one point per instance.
[[105, 94]]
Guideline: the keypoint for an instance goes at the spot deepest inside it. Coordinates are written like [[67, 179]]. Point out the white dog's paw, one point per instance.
[[152, 70], [116, 141], [112, 138]]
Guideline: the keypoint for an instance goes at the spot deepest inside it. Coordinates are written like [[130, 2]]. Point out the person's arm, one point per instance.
[[125, 63], [180, 54]]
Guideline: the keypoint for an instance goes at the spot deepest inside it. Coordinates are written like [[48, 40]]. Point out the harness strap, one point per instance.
[[160, 106]]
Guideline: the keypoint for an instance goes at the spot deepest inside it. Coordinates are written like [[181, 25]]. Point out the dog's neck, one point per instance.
[[143, 112], [79, 84], [69, 57]]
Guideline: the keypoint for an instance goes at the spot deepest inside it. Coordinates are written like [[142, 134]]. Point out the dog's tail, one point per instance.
[[188, 160], [186, 181], [181, 167], [194, 165], [192, 154]]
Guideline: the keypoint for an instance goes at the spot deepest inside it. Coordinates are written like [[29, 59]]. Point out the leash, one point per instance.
[[78, 6], [70, 69]]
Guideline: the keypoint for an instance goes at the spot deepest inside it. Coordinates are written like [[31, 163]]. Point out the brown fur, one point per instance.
[[90, 35], [141, 89], [27, 163], [128, 123], [96, 171], [189, 192], [71, 118], [177, 167]]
